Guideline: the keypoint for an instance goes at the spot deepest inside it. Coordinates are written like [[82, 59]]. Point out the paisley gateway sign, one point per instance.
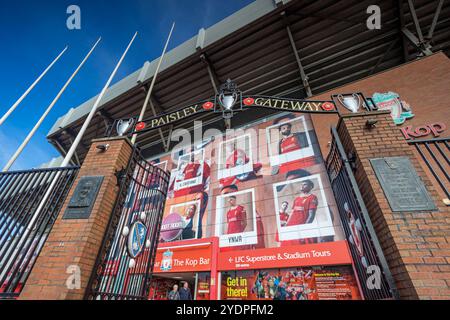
[[212, 105]]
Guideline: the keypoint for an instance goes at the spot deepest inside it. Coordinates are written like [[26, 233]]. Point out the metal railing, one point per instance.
[[436, 155], [22, 232], [125, 262], [369, 261]]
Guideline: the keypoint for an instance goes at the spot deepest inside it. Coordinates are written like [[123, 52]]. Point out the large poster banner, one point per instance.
[[261, 186]]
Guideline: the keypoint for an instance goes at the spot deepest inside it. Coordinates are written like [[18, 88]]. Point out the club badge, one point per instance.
[[166, 262], [400, 110], [136, 239]]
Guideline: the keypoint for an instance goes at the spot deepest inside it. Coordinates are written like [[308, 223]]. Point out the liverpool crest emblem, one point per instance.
[[400, 110], [166, 262]]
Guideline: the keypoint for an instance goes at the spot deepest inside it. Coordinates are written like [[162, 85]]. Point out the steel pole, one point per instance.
[[70, 152], [149, 93], [16, 104], [50, 107]]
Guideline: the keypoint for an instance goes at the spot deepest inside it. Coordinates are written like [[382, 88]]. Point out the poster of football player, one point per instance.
[[302, 211], [289, 143], [236, 162], [356, 230], [191, 175], [182, 222], [236, 222]]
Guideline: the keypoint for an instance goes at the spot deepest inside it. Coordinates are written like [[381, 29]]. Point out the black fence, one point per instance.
[[374, 276], [125, 263], [436, 155], [25, 222]]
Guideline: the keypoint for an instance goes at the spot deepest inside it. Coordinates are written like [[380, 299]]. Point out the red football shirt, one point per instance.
[[236, 219], [291, 144], [191, 170], [300, 209], [234, 157]]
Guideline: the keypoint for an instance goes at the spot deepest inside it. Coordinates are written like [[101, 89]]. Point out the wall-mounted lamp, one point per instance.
[[103, 147], [371, 123]]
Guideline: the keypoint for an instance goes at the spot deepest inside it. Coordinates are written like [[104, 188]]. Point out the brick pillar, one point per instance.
[[77, 242], [416, 244]]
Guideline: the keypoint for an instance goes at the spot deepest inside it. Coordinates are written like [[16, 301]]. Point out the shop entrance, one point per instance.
[[162, 284]]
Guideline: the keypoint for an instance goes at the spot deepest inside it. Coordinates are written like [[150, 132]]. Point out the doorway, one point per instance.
[[162, 284]]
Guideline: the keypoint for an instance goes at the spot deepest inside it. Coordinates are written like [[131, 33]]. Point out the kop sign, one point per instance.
[[422, 131]]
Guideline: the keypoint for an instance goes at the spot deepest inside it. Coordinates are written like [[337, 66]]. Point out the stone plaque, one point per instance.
[[402, 186], [83, 199]]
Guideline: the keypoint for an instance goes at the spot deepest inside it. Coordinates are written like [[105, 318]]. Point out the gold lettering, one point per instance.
[[307, 107], [317, 105], [296, 105], [267, 103], [154, 123], [258, 101], [173, 117]]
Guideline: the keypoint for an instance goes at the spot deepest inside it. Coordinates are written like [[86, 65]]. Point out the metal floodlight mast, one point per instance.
[[16, 104], [69, 155], [50, 107], [149, 93]]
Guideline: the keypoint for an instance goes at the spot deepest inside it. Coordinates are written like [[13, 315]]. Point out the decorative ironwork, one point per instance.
[[436, 155], [21, 193], [125, 262], [228, 96], [364, 245]]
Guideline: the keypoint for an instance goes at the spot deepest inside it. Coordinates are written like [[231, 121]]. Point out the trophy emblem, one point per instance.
[[351, 102], [123, 126], [228, 96], [228, 101]]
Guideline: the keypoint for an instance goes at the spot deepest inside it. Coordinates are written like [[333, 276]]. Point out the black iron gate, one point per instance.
[[436, 155], [371, 267], [24, 229], [125, 262]]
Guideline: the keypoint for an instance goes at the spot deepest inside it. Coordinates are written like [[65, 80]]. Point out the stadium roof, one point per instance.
[[270, 47]]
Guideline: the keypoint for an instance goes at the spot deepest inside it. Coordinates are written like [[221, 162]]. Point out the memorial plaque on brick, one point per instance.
[[83, 198], [402, 186]]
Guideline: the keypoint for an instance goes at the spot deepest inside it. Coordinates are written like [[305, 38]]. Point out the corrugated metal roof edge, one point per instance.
[[230, 24]]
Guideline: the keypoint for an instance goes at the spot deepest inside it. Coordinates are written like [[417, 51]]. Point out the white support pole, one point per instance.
[[50, 107], [94, 108], [16, 104], [150, 90], [68, 156]]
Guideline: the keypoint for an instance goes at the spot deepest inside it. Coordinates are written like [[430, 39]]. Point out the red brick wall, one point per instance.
[[77, 242], [416, 244], [424, 84]]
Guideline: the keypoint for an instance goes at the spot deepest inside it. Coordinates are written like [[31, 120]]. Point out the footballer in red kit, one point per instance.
[[190, 171], [259, 227], [292, 141], [303, 212], [236, 217], [238, 157]]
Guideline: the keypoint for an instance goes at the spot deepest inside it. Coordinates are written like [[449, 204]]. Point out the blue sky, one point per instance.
[[32, 33]]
